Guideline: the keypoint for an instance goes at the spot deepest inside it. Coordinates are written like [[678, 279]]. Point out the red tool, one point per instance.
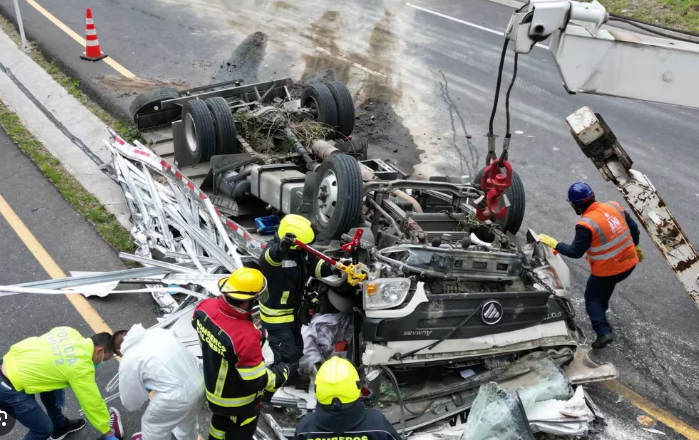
[[494, 183], [353, 246], [353, 271]]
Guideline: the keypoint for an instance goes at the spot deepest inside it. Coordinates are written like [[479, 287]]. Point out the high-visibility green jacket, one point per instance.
[[59, 359]]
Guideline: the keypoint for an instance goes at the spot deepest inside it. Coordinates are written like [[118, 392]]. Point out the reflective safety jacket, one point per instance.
[[352, 422], [612, 250], [234, 369], [59, 359], [287, 273]]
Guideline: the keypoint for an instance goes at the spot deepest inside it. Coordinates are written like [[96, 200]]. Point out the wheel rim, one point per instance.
[[190, 130], [312, 104], [327, 197]]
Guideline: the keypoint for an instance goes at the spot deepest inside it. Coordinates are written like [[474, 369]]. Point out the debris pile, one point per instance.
[[183, 241]]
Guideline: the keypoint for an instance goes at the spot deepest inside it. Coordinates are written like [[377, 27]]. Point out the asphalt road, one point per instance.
[[438, 76], [74, 245]]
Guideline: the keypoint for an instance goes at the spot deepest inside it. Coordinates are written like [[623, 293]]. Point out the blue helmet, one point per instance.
[[580, 192]]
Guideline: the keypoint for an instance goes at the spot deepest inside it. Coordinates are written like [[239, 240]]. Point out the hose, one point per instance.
[[388, 217], [497, 87], [403, 406], [405, 196], [648, 28]]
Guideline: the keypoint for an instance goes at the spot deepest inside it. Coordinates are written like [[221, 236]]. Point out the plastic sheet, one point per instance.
[[496, 415], [320, 336]]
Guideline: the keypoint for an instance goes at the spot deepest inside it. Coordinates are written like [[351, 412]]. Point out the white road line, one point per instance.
[[467, 23]]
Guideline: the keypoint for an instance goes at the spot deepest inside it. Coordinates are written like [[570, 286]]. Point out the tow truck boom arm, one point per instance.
[[608, 61]]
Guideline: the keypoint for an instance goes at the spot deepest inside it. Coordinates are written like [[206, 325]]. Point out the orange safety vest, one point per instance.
[[612, 250]]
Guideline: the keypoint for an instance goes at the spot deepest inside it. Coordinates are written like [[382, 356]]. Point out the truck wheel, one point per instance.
[[224, 124], [515, 194], [338, 198], [150, 101], [320, 100], [345, 107], [199, 130]]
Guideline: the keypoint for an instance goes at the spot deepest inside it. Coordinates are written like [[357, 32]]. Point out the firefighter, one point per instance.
[[609, 237], [339, 412], [234, 369], [287, 268]]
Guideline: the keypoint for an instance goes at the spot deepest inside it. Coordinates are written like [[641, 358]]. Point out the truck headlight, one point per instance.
[[384, 293], [549, 276]]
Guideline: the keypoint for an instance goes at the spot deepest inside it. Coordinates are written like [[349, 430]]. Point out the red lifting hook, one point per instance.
[[494, 186]]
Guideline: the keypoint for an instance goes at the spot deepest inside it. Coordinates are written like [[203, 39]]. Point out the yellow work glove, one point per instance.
[[639, 252], [548, 241]]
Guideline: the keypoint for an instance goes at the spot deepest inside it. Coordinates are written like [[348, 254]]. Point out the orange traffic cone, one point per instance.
[[92, 45]]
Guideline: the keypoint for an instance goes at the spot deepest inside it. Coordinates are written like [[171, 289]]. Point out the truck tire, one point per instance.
[[345, 107], [515, 194], [338, 197], [199, 130], [150, 101], [317, 96], [224, 124]]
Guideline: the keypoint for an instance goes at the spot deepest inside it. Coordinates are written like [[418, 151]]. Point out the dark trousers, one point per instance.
[[28, 412], [233, 427], [597, 294], [286, 343], [287, 346]]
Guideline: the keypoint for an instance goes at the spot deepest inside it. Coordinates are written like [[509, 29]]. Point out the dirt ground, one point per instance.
[[388, 137]]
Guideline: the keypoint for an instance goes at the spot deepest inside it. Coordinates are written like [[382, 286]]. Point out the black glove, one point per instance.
[[287, 241], [288, 371]]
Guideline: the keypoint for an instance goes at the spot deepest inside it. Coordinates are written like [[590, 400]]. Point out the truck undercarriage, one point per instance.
[[447, 290]]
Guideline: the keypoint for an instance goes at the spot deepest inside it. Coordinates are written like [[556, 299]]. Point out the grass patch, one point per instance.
[[105, 223], [72, 85], [680, 14], [85, 203]]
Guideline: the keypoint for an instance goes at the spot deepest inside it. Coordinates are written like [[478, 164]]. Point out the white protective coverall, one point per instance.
[[156, 360]]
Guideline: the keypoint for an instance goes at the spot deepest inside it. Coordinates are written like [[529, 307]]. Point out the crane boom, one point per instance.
[[608, 61]]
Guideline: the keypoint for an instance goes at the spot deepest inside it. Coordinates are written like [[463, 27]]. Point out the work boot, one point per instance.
[[70, 427], [603, 341], [137, 436], [115, 423]]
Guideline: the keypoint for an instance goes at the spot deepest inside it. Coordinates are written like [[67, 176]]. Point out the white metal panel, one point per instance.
[[629, 65]]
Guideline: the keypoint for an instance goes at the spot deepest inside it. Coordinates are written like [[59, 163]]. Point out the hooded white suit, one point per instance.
[[156, 360]]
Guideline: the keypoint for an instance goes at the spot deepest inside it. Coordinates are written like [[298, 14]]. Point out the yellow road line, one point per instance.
[[653, 410], [80, 303], [113, 64]]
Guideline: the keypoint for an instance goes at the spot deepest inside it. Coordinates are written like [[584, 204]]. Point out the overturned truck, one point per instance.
[[453, 299]]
